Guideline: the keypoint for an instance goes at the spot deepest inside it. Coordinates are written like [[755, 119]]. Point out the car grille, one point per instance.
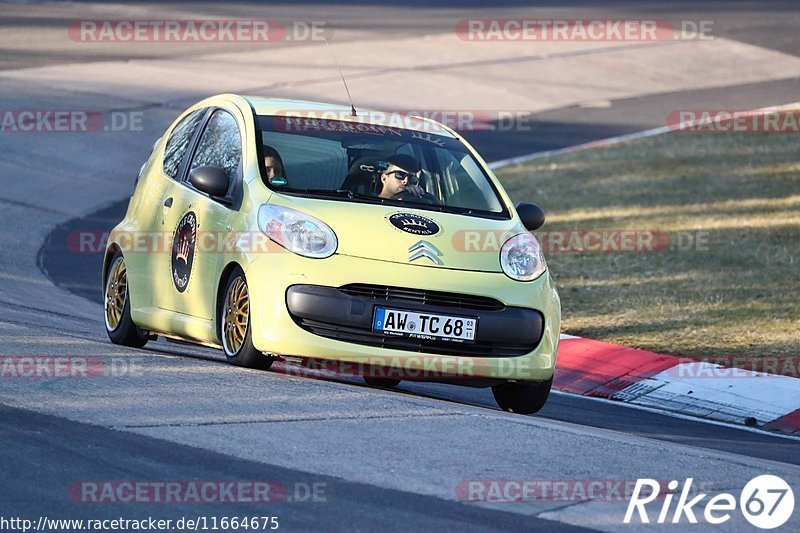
[[444, 299]]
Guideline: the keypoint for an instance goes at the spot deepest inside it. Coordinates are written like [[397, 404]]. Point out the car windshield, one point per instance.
[[355, 161]]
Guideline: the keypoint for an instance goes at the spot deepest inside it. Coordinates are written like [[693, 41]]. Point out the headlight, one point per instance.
[[521, 258], [297, 232]]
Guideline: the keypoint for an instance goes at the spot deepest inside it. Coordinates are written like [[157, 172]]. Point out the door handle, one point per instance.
[[168, 202]]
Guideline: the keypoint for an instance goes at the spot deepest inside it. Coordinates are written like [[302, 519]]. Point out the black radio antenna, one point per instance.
[[352, 107]]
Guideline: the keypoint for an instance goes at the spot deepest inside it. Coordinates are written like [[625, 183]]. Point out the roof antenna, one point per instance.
[[352, 107]]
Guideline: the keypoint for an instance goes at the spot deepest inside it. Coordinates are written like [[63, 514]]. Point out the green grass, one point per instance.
[[739, 294]]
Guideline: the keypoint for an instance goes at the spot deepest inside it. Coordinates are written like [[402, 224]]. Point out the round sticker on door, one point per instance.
[[183, 250]]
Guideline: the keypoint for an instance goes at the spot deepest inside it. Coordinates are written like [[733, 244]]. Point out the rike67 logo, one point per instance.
[[766, 502]]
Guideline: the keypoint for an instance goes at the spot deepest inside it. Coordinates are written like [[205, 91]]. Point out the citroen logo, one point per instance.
[[425, 249]]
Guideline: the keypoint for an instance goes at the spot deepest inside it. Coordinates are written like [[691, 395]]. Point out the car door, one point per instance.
[[200, 225], [147, 242]]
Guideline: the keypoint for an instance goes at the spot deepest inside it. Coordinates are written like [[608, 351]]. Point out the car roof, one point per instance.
[[322, 110]]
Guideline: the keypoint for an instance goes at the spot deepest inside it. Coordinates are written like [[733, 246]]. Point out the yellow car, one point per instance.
[[276, 228]]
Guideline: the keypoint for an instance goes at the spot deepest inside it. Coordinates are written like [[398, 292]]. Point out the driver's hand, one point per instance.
[[416, 190]]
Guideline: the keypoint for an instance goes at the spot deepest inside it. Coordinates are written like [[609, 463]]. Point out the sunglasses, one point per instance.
[[402, 174]]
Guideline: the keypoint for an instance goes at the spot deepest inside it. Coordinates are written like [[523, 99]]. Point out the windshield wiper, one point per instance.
[[457, 210], [341, 193]]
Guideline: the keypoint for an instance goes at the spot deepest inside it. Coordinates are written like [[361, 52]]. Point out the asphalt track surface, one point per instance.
[[187, 415], [348, 506]]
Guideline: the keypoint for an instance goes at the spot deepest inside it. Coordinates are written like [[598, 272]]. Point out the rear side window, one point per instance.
[[221, 145], [179, 140]]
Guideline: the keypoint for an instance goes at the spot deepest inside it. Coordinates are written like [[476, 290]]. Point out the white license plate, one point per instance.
[[424, 325]]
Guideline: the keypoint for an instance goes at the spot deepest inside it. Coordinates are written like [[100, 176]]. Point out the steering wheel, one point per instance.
[[426, 198]]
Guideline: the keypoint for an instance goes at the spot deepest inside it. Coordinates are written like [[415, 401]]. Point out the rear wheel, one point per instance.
[[235, 326], [523, 397], [117, 306]]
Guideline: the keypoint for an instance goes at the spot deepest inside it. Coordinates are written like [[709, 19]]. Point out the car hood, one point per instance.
[[409, 236]]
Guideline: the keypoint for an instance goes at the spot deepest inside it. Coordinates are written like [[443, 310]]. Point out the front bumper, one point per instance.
[[298, 309], [346, 314]]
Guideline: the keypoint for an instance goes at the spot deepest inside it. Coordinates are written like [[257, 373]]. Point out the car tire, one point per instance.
[[235, 328], [117, 306], [384, 383], [522, 397]]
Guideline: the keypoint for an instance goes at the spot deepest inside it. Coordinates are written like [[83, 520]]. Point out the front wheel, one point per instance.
[[117, 306], [235, 327], [523, 397]]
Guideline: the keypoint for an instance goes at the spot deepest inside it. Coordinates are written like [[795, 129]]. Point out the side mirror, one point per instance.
[[211, 180], [531, 214]]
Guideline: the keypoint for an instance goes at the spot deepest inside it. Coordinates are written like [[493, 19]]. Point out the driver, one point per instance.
[[401, 175]]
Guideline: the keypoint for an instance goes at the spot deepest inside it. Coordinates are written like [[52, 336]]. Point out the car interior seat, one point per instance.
[[363, 176]]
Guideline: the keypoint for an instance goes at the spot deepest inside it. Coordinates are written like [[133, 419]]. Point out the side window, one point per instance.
[[179, 140], [220, 145]]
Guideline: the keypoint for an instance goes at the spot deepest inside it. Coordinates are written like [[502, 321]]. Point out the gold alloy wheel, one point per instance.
[[237, 315], [116, 293]]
